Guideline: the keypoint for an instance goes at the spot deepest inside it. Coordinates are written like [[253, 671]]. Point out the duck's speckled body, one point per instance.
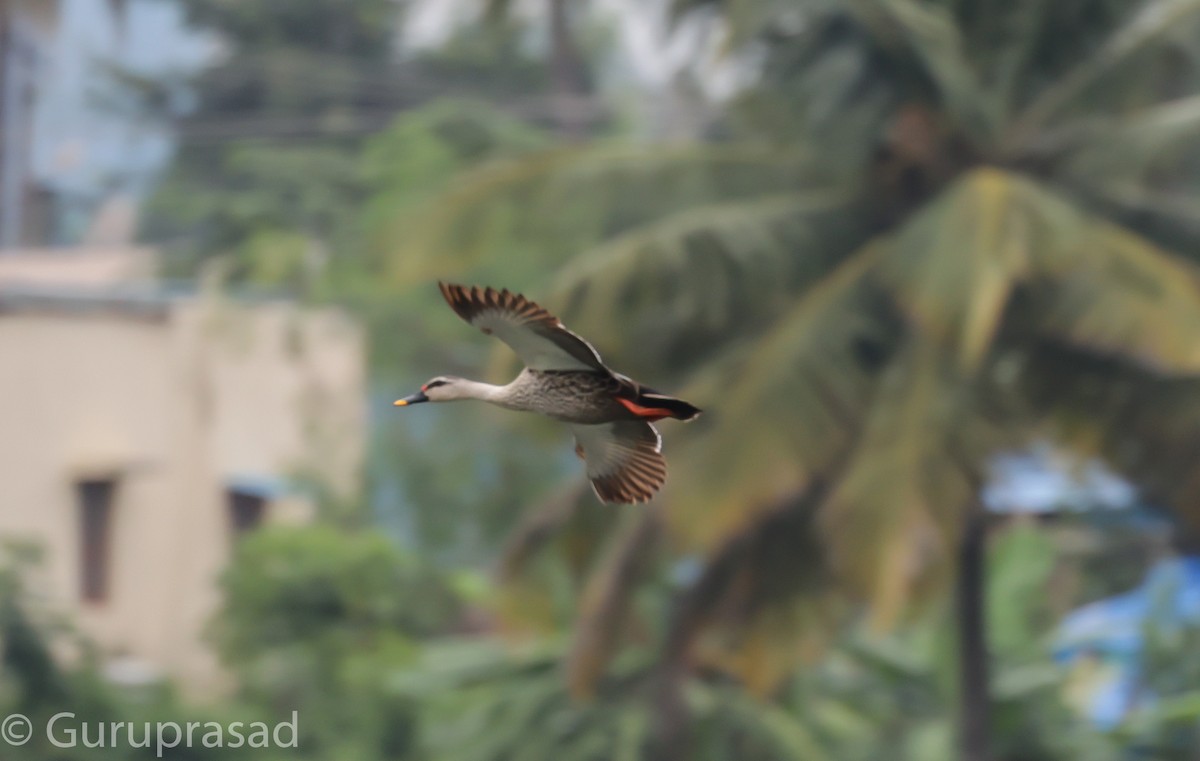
[[572, 396]]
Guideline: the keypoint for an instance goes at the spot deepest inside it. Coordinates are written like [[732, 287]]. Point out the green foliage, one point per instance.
[[289, 587], [867, 693], [271, 172], [487, 60], [275, 209], [303, 71], [34, 682], [363, 25], [418, 155], [321, 621]]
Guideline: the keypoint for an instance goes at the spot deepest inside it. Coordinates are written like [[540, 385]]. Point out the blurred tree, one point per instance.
[[35, 683], [568, 67], [320, 621], [268, 172], [478, 488], [948, 229]]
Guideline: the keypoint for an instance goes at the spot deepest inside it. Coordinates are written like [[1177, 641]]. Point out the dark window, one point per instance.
[[246, 511], [95, 538]]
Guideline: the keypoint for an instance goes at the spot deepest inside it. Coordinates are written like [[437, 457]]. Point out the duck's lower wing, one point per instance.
[[624, 459]]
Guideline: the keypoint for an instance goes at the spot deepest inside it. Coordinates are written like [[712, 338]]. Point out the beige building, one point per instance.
[[146, 428]]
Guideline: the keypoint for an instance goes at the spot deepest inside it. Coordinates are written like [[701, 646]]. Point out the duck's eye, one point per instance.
[[434, 384]]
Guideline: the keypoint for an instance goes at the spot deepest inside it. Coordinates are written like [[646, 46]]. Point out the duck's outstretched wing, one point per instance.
[[537, 336], [624, 459]]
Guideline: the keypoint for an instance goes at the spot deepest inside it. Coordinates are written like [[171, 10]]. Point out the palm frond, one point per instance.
[[538, 527], [1149, 429], [1181, 207], [893, 521], [1145, 29], [954, 266], [782, 407], [1120, 150], [550, 556], [1023, 23], [1128, 298], [785, 733], [696, 280], [764, 599], [604, 608], [574, 197], [930, 34]]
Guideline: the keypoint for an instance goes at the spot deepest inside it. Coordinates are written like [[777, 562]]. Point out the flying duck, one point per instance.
[[565, 379]]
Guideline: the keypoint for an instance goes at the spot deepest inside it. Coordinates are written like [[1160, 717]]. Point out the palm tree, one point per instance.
[[943, 229], [569, 75]]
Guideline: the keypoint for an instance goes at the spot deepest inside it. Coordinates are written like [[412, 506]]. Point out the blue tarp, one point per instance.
[[1102, 642]]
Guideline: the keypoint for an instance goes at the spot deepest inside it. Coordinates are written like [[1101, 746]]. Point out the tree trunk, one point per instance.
[[568, 73], [974, 702], [671, 739]]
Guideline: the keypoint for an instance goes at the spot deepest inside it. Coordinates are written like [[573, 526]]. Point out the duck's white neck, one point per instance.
[[469, 389]]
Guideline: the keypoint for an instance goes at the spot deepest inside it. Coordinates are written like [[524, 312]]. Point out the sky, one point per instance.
[[82, 145]]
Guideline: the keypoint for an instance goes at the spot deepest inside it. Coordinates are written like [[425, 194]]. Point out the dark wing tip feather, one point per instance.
[[469, 302], [456, 296]]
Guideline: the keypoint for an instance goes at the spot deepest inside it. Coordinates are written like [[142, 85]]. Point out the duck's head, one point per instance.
[[440, 389]]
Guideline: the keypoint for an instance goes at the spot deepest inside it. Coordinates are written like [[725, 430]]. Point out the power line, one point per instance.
[[359, 122]]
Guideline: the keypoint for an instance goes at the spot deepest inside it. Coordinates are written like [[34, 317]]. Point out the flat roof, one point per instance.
[[140, 300]]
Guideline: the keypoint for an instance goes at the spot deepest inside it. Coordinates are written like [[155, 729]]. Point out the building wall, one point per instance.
[[176, 404], [91, 267]]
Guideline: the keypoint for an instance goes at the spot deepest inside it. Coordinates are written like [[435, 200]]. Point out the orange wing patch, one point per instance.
[[646, 413]]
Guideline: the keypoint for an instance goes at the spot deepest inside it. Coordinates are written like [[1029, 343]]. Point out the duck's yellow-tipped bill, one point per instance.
[[416, 398]]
